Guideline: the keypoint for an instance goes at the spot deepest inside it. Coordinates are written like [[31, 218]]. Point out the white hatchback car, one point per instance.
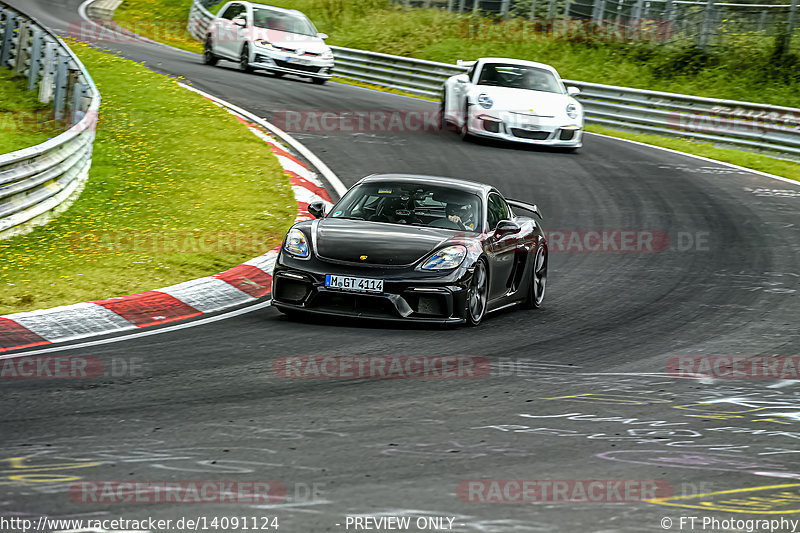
[[282, 41], [514, 100]]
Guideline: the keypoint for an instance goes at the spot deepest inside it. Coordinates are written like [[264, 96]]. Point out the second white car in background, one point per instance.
[[282, 41], [514, 100]]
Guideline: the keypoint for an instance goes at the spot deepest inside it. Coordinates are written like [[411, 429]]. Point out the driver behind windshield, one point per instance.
[[455, 212]]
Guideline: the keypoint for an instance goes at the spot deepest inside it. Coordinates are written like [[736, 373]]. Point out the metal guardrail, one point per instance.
[[38, 182], [734, 124]]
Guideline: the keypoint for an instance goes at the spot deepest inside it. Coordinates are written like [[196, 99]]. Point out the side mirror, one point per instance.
[[316, 209], [322, 36], [242, 23], [462, 78], [573, 91], [507, 227]]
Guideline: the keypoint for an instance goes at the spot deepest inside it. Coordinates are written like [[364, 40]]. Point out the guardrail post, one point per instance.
[[637, 13], [567, 5], [790, 25], [669, 9], [36, 58], [598, 12], [78, 99], [533, 10], [551, 10], [504, 8], [705, 30], [60, 85], [475, 6], [23, 50], [461, 6], [48, 72], [762, 22], [8, 37]]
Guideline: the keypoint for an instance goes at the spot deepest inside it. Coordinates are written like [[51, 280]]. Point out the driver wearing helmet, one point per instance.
[[455, 212]]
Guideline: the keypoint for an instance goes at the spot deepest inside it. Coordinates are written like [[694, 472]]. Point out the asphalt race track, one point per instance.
[[577, 391]]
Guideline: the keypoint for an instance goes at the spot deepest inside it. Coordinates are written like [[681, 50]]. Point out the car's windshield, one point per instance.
[[411, 204], [280, 21], [519, 77]]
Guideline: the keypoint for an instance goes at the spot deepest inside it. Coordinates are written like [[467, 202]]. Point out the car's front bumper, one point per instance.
[[409, 295], [545, 132], [288, 63]]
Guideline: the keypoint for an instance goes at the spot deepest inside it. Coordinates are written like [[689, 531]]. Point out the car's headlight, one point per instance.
[[446, 258], [296, 243], [572, 111], [327, 55], [485, 101], [264, 43]]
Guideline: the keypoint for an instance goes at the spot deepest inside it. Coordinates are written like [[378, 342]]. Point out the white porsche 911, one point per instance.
[[514, 100]]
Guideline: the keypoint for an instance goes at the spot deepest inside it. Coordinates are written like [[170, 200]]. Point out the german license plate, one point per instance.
[[347, 283]]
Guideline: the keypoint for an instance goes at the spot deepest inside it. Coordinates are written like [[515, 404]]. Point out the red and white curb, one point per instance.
[[237, 286]]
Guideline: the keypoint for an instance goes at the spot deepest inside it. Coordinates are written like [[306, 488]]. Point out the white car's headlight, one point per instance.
[[446, 258], [485, 101], [327, 55], [572, 111], [264, 43], [296, 243]]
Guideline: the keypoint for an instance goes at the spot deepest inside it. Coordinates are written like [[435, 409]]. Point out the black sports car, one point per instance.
[[406, 247]]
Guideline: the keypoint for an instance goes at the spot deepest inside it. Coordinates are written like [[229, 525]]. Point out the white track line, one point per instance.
[[143, 333], [707, 159]]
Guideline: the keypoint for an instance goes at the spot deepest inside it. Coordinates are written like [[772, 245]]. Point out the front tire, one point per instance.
[[538, 284], [442, 110], [319, 81], [244, 60], [208, 53], [464, 130], [478, 294]]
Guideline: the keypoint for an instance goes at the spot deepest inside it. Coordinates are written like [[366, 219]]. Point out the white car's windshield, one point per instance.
[[279, 21], [411, 204], [519, 77]]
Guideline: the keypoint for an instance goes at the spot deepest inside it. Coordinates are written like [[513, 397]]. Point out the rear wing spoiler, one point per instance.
[[533, 208]]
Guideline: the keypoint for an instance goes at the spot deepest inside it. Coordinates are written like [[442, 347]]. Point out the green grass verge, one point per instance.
[[24, 121], [161, 20], [178, 189], [764, 163], [741, 70], [747, 68]]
